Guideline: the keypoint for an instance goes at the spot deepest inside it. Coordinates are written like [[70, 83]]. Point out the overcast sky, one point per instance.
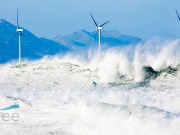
[[48, 18]]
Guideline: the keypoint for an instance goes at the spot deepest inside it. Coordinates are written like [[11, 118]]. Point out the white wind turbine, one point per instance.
[[98, 29], [19, 32]]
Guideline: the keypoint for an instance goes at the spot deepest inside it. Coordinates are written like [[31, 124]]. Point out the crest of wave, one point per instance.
[[129, 60]]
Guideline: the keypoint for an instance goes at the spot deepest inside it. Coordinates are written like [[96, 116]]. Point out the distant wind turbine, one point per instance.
[[98, 29], [177, 14], [19, 32]]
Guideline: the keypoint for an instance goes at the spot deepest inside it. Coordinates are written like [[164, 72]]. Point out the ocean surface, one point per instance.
[[137, 92]]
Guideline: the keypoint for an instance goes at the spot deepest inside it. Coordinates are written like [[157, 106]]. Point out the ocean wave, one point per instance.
[[137, 92]]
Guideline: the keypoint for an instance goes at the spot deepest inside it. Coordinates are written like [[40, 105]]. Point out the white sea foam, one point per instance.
[[56, 96]]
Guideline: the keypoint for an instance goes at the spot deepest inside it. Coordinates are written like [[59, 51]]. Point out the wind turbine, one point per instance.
[[19, 32], [177, 14], [98, 29]]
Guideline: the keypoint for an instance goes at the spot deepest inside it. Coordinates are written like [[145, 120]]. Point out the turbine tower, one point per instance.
[[98, 29], [177, 14]]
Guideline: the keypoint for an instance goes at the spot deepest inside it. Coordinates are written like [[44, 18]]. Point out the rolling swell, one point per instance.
[[150, 73], [137, 110]]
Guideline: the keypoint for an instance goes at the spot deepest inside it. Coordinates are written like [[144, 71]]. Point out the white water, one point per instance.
[[56, 96]]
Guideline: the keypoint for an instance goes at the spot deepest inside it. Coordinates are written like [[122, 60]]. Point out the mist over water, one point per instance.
[[137, 92]]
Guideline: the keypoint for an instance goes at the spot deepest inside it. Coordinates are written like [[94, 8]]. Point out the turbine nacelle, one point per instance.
[[19, 30], [99, 28]]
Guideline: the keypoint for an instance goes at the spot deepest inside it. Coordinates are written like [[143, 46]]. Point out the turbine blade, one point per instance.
[[104, 23], [177, 14], [94, 20], [22, 34], [13, 38], [17, 19]]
